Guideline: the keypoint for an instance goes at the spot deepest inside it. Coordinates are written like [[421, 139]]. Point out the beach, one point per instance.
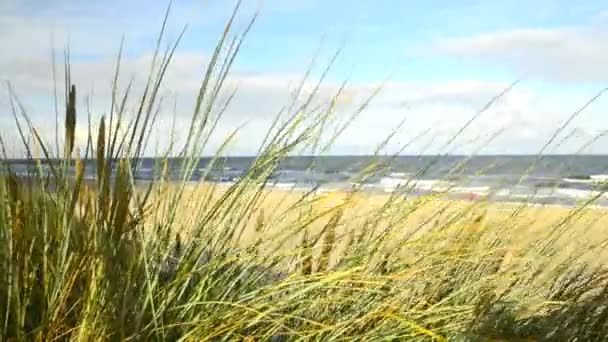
[[281, 211]]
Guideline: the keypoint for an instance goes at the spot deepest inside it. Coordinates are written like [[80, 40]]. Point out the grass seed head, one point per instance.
[[70, 121]]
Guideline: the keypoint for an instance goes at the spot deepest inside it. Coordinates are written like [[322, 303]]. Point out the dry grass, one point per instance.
[[112, 260]]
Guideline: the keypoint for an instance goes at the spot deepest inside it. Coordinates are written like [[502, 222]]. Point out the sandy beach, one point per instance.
[[280, 213]]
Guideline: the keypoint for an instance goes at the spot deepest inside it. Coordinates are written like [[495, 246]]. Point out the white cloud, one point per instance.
[[528, 117], [572, 54]]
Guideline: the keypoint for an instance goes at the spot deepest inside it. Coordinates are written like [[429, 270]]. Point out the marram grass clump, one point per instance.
[[110, 259]]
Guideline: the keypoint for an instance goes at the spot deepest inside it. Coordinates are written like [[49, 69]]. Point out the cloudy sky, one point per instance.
[[439, 63]]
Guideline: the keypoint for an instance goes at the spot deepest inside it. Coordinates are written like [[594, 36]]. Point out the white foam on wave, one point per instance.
[[224, 183], [579, 194], [399, 174], [546, 193], [592, 179], [393, 182], [389, 184], [521, 192], [473, 190], [579, 181], [599, 178], [284, 185], [432, 185], [360, 186]]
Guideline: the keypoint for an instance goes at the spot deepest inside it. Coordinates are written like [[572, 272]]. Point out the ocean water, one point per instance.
[[561, 180]]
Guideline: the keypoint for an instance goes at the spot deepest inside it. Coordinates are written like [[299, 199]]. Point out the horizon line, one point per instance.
[[345, 155]]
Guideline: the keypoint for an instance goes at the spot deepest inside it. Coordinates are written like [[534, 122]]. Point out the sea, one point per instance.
[[564, 180]]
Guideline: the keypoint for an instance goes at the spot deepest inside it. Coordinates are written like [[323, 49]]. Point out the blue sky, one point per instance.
[[445, 60]]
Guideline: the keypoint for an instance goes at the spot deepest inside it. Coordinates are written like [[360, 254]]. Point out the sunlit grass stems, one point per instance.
[[112, 260]]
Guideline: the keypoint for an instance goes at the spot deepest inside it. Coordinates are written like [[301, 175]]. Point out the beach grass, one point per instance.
[[112, 259]]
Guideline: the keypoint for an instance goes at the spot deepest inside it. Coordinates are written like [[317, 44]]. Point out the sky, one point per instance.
[[438, 64]]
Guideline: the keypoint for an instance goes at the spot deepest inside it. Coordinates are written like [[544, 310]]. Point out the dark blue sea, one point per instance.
[[553, 179]]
